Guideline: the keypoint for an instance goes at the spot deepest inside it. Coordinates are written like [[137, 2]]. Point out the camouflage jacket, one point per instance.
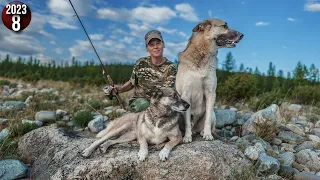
[[146, 76]]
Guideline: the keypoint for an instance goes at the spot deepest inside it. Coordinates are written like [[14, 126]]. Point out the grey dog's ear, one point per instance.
[[201, 26]]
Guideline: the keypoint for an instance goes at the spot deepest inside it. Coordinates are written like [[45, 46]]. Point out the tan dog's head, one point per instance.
[[168, 98], [218, 31]]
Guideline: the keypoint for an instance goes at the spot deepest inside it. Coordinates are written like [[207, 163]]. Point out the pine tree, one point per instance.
[[241, 69], [313, 73], [256, 71], [299, 74], [280, 73], [229, 63]]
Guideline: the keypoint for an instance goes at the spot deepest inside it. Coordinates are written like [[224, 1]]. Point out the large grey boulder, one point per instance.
[[305, 176], [309, 158], [46, 116], [3, 134], [54, 154], [12, 169], [225, 117], [270, 115], [17, 105]]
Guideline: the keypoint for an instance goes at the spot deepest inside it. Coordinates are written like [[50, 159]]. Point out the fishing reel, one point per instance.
[[109, 93]]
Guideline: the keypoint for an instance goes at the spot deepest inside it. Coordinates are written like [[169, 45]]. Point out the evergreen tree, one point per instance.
[[229, 64], [280, 74], [271, 70], [256, 71], [241, 69], [313, 73], [299, 74]]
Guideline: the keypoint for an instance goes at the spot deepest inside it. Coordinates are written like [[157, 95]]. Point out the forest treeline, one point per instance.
[[301, 85]]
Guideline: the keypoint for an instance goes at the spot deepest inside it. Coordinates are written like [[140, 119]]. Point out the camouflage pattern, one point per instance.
[[138, 104], [146, 76]]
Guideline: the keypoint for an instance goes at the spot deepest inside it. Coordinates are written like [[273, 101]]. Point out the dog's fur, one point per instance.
[[155, 125], [196, 80]]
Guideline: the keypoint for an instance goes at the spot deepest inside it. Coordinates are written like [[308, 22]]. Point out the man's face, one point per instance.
[[155, 47]]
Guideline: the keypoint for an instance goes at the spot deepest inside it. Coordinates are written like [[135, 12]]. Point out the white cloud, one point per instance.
[[81, 47], [96, 37], [139, 30], [12, 43], [119, 31], [173, 48], [153, 15], [58, 50], [169, 31], [61, 23], [63, 7], [291, 19], [108, 42], [210, 13], [182, 34], [127, 40], [312, 6], [137, 27], [150, 15], [186, 12], [52, 42], [114, 14], [242, 2], [262, 23]]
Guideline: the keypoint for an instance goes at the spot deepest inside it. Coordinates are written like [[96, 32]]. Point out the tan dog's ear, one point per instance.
[[201, 26]]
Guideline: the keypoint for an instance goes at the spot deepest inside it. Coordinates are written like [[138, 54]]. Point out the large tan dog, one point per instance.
[[196, 80], [159, 122]]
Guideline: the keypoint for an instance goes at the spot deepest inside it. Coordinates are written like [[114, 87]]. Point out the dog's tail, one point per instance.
[[126, 120]]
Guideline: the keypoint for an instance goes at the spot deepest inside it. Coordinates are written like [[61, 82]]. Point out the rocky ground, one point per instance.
[[273, 143]]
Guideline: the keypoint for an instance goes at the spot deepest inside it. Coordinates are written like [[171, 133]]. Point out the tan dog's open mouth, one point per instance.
[[229, 40]]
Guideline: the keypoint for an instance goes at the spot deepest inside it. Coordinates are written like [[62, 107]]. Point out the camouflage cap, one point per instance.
[[153, 34]]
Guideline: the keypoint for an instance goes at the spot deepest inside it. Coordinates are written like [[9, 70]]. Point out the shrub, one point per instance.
[[245, 172], [266, 99], [82, 118], [19, 129], [8, 147], [4, 82], [238, 87], [95, 104], [306, 94], [267, 130]]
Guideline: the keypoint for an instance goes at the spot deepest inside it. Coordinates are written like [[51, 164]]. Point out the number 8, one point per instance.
[[15, 22]]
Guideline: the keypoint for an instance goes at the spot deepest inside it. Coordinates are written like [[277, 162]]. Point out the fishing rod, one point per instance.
[[103, 68]]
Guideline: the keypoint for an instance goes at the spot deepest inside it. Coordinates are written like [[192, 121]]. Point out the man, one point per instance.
[[148, 73]]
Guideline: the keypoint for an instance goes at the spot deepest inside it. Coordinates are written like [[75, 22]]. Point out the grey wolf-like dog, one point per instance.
[[158, 123]]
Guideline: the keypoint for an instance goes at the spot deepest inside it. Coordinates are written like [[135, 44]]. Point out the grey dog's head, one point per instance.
[[218, 31], [169, 98]]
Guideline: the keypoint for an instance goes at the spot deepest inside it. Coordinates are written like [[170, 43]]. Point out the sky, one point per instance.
[[279, 31]]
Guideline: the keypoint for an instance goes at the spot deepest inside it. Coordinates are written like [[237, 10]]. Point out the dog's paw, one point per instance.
[[187, 139], [164, 154], [103, 147], [86, 153], [142, 154], [208, 137]]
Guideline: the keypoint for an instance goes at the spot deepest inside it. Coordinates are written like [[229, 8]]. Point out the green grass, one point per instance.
[[9, 146], [245, 173], [82, 118]]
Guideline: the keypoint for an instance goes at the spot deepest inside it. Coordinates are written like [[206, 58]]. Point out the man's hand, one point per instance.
[[110, 91]]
